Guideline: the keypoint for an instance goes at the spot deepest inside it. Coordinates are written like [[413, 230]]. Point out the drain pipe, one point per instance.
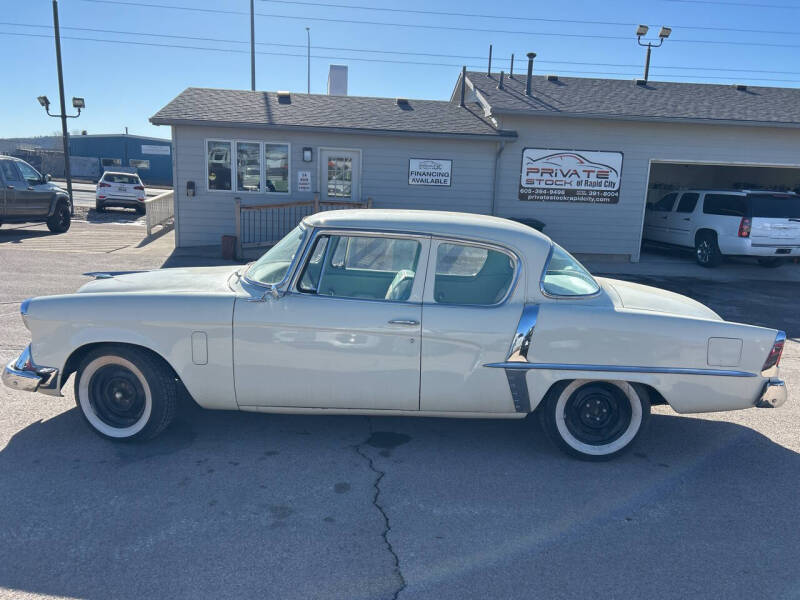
[[500, 147]]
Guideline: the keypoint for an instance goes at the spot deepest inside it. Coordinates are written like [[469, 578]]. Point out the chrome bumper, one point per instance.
[[773, 395], [25, 375]]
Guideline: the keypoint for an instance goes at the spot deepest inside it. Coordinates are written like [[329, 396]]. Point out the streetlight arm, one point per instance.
[[649, 44]]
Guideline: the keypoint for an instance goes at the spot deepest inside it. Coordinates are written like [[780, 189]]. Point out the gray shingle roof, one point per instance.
[[617, 98], [313, 111]]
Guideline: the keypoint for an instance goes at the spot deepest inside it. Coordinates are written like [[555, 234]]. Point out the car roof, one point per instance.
[[438, 223], [119, 173]]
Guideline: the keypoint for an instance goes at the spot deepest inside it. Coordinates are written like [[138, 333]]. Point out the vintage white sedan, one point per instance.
[[413, 313]]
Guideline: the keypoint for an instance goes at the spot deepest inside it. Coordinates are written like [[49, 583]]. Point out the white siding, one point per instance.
[[204, 218], [616, 228]]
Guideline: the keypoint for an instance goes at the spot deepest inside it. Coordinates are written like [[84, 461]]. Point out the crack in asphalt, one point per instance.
[[387, 525]]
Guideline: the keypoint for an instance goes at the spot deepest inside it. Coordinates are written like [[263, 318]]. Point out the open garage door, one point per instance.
[[691, 201]]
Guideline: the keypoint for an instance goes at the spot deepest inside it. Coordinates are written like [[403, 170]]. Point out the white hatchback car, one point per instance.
[[120, 189], [762, 224]]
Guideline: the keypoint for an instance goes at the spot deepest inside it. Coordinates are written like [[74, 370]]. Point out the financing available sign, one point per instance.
[[429, 171], [570, 176]]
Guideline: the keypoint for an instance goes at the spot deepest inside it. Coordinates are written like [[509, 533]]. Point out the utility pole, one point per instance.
[[308, 59], [252, 46], [64, 132]]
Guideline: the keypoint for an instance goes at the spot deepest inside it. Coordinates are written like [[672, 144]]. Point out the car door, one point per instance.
[[347, 333], [657, 219], [14, 184], [36, 200], [680, 221], [474, 295]]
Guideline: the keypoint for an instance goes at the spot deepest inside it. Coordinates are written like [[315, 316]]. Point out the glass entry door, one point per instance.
[[340, 176]]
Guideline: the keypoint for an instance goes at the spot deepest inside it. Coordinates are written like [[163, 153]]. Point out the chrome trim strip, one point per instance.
[[520, 344], [617, 369]]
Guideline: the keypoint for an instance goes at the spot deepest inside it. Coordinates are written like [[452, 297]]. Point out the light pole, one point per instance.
[[663, 34], [76, 103], [308, 59], [252, 47]]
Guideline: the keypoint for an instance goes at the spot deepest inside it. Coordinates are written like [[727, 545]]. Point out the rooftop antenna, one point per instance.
[[489, 70]]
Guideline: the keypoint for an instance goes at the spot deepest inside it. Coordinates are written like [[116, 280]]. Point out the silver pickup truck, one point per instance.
[[26, 195]]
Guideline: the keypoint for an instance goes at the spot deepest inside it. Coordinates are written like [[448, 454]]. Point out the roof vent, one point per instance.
[[740, 87], [401, 101], [552, 78], [642, 82], [284, 97]]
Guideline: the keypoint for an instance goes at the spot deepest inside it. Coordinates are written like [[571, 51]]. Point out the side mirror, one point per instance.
[[47, 178]]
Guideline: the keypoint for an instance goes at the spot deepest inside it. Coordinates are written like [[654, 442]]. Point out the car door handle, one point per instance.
[[11, 187], [686, 219], [409, 322], [30, 187]]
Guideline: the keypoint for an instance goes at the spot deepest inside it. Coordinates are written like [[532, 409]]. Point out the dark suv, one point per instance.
[[26, 196]]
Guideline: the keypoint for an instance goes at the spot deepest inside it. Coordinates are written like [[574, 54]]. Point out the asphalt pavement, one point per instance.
[[228, 505]]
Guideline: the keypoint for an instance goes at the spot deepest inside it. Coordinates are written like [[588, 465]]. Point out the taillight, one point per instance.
[[774, 356], [744, 227], [139, 187], [101, 184]]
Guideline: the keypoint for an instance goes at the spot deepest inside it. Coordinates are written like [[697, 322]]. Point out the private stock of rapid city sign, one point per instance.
[[570, 176]]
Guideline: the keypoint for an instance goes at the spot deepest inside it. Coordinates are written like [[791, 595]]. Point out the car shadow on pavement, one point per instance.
[[110, 215], [18, 234], [256, 505]]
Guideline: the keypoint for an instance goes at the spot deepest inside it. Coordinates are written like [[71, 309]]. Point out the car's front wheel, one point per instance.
[[60, 220], [594, 420], [125, 393]]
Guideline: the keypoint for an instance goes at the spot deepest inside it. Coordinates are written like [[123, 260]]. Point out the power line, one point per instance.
[[746, 4], [516, 18], [366, 50], [325, 57]]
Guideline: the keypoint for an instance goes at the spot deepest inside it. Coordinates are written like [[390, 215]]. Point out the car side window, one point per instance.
[[688, 202], [365, 267], [666, 203], [30, 174], [9, 171], [725, 204], [467, 274]]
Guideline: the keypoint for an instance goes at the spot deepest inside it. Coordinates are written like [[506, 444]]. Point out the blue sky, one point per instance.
[[716, 41]]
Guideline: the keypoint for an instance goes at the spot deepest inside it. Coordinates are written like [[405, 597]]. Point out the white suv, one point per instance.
[[762, 224], [120, 189]]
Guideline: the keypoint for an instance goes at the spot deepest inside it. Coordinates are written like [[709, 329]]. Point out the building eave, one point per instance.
[[500, 134]]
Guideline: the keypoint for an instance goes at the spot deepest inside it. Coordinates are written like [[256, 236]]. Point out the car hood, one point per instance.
[[634, 296], [208, 280]]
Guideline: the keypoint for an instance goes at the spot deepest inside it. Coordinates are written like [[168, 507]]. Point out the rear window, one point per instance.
[[775, 206], [725, 204], [120, 178]]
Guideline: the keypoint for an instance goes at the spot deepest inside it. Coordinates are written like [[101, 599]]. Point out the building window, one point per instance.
[[340, 177], [248, 166], [218, 157], [276, 167], [139, 163], [111, 162]]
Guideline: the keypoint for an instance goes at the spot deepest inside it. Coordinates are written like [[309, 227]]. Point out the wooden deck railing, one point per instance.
[[263, 225], [160, 209]]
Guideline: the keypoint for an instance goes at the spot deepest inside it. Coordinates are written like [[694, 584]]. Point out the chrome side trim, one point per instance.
[[519, 390], [617, 369], [521, 343]]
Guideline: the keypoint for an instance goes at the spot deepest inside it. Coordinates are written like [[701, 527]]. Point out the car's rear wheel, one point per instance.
[[706, 250], [99, 207], [594, 420], [140, 210], [60, 220], [770, 262], [125, 393]]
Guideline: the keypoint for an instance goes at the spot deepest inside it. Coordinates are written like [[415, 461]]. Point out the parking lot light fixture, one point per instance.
[[44, 101], [78, 103], [641, 31]]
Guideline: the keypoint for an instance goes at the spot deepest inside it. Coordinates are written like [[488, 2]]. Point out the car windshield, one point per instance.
[[565, 276], [273, 266], [775, 206]]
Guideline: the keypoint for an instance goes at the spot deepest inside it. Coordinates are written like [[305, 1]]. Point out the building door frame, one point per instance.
[[322, 177]]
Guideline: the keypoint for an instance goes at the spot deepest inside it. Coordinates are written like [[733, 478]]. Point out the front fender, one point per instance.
[[62, 325]]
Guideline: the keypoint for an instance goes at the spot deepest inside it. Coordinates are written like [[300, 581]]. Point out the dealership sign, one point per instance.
[[429, 171], [570, 176], [152, 149]]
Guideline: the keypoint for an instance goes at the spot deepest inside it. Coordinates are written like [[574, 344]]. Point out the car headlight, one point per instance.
[[23, 310]]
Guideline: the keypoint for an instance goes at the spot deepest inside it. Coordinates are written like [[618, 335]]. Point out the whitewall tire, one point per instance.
[[594, 420], [125, 393]]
